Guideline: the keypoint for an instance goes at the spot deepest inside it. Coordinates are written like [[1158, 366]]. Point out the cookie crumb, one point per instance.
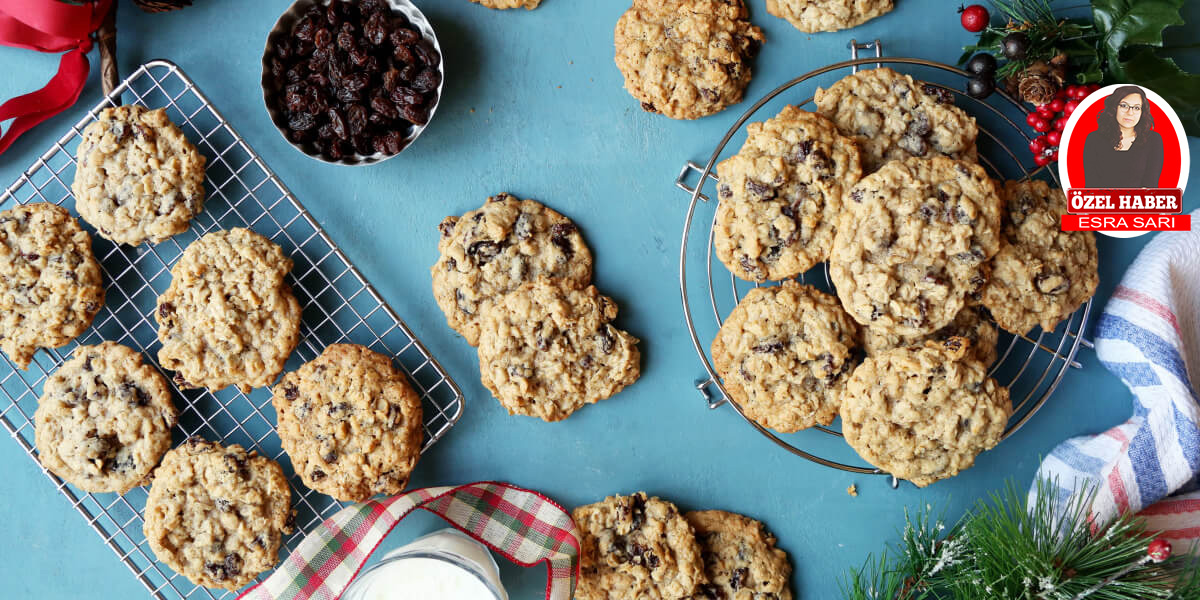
[[852, 490]]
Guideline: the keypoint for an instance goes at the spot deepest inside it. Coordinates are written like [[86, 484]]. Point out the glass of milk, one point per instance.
[[445, 564]]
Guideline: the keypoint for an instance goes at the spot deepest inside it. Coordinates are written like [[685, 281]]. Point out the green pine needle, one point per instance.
[[1006, 548]]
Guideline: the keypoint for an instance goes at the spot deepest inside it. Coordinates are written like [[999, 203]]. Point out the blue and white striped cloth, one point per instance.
[[1149, 336]]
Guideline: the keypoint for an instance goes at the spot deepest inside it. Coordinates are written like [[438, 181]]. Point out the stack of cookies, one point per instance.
[[642, 547], [217, 514], [927, 254], [513, 277]]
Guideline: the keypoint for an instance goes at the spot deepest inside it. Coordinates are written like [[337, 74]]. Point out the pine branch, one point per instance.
[[1006, 547]]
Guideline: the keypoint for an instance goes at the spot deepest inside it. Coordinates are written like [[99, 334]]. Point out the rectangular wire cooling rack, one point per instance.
[[339, 306]]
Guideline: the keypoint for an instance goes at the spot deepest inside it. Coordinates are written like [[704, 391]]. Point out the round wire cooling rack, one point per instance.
[[1030, 366]]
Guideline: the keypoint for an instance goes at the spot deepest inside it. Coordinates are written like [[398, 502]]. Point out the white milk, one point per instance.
[[446, 565]]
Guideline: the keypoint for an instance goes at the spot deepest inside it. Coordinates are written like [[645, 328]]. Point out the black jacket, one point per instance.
[[1138, 167]]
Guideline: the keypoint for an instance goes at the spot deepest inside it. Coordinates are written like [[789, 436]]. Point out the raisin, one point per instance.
[[919, 126], [803, 149], [605, 339], [418, 115], [408, 72], [404, 54], [558, 236], [768, 347], [301, 121], [426, 81], [637, 510], [425, 52], [940, 95], [323, 38], [338, 124], [237, 465], [482, 252], [362, 144], [296, 73], [759, 190], [356, 81], [384, 107], [140, 397], [166, 309], [404, 96], [1051, 283], [345, 40], [373, 6], [304, 29], [739, 579], [293, 98], [404, 37], [447, 226], [391, 79], [317, 475], [356, 117], [375, 30]]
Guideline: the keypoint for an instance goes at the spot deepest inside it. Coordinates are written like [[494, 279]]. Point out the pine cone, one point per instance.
[[154, 6], [1039, 82]]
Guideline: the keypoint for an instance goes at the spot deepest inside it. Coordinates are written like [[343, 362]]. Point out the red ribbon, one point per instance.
[[48, 26]]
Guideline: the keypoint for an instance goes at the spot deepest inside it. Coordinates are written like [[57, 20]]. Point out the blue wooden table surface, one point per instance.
[[533, 105]]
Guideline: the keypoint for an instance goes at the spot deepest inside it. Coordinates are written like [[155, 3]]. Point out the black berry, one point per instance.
[[982, 64], [980, 87], [1015, 45]]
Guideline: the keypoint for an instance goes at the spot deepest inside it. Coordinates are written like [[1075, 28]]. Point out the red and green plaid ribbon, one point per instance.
[[523, 526]]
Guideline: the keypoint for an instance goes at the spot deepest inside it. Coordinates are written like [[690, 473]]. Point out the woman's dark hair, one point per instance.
[[1106, 121]]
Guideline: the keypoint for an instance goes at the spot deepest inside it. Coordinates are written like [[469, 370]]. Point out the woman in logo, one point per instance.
[[1124, 151]]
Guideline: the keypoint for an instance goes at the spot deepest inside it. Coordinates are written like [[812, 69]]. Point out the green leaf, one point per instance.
[[1092, 73], [1134, 22], [1181, 90]]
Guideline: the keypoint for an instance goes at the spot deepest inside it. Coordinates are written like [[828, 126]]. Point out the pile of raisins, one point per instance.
[[354, 77]]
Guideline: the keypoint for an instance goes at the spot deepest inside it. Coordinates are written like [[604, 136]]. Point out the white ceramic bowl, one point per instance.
[[283, 28]]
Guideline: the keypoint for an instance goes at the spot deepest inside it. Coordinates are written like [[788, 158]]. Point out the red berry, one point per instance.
[[1159, 550], [974, 18], [1041, 160], [1044, 111], [1070, 107], [1053, 138], [1041, 125], [1060, 124], [1091, 87], [1062, 95], [1037, 144], [1054, 155], [1057, 104], [1080, 93], [1032, 118]]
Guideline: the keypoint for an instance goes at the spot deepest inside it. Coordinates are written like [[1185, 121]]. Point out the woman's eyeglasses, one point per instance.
[[1135, 108]]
